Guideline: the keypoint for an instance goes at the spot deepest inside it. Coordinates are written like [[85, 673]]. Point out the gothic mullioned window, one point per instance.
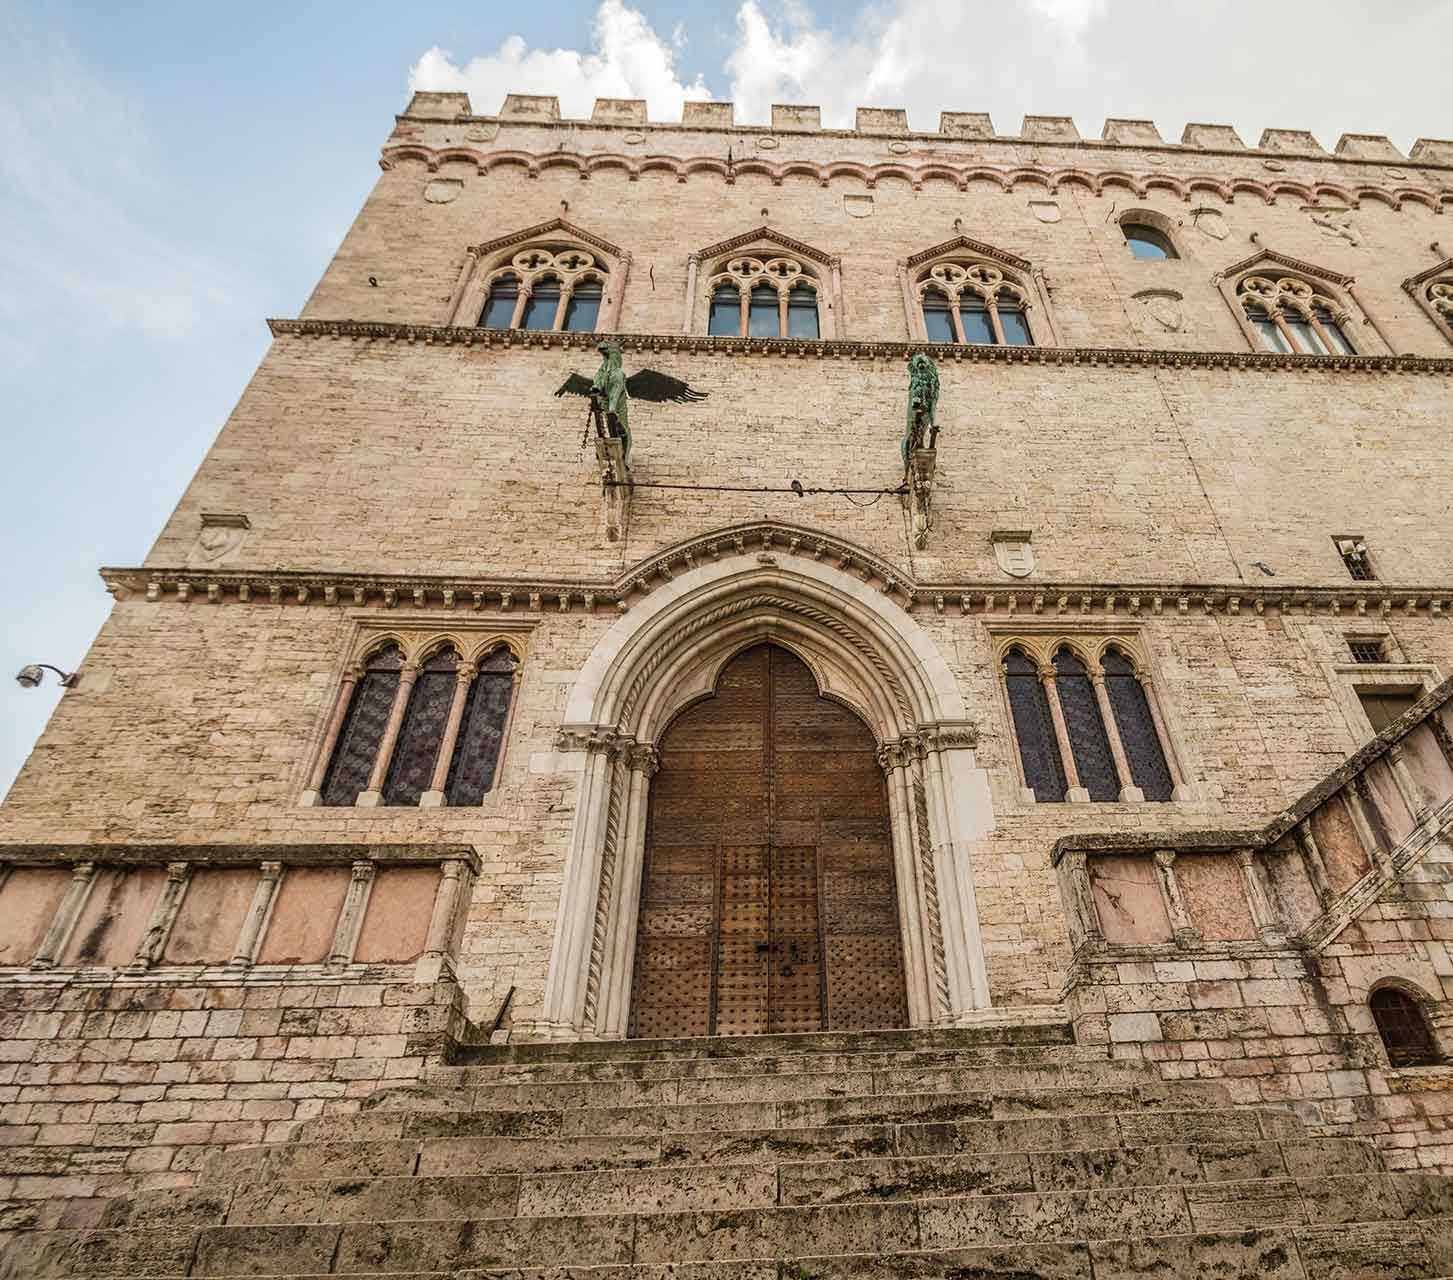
[[1086, 726], [781, 299], [422, 731], [974, 303], [1439, 295], [546, 287], [1289, 316]]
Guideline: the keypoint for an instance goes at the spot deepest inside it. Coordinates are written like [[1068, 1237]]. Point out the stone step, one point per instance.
[[1004, 1027], [1348, 1222], [718, 1186], [985, 1058], [780, 1086], [429, 1145], [790, 1111]]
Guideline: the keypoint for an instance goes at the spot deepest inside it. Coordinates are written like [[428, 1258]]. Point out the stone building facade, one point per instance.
[[1144, 653]]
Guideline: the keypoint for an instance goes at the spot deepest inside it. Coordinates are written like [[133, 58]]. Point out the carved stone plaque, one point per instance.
[[442, 190], [1163, 306], [219, 541], [1045, 210], [1013, 552], [1210, 222]]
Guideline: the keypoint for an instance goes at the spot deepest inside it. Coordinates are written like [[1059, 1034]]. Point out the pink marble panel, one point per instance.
[[212, 916], [1215, 896], [1388, 800], [396, 924], [28, 901], [1428, 765], [1347, 861], [1128, 899], [114, 919], [1293, 898], [305, 915]]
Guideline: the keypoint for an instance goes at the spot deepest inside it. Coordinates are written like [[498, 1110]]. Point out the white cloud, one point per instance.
[[629, 61]]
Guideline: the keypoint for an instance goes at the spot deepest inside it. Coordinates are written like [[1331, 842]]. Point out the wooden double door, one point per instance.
[[768, 901]]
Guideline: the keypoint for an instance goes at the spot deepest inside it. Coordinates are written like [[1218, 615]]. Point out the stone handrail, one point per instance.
[[1298, 880], [93, 911]]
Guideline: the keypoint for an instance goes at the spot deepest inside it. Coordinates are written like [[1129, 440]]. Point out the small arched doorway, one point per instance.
[[768, 901]]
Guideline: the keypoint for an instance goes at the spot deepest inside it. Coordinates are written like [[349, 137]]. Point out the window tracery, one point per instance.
[[782, 299], [419, 725], [1085, 723], [1440, 298], [972, 302], [1288, 315], [544, 288]]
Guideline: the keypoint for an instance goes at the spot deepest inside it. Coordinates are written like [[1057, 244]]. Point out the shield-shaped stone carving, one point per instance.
[[1210, 222], [1164, 307], [1013, 552], [1045, 210], [220, 540]]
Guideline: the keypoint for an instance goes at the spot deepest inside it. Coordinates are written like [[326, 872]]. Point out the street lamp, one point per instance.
[[32, 674]]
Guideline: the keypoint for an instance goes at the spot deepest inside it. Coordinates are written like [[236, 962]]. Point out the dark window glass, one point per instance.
[[1016, 328], [373, 699], [543, 303], [763, 320], [974, 316], [412, 766], [802, 312], [725, 320], [1043, 772], [583, 309], [499, 307], [1148, 769], [1147, 242], [1403, 1028], [1383, 708], [1093, 761], [1268, 336], [1302, 332], [1333, 330], [471, 773], [937, 321]]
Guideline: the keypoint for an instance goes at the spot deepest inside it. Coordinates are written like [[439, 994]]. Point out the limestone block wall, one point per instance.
[[110, 1083]]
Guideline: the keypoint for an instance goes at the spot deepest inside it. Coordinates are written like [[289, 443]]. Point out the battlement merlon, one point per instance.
[[890, 125]]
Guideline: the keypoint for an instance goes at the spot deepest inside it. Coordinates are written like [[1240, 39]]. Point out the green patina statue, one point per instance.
[[610, 392], [922, 432]]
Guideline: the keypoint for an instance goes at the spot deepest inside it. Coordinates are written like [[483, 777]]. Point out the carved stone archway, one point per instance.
[[668, 652]]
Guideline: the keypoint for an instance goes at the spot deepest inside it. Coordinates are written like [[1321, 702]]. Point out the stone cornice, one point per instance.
[[25, 853], [1109, 357], [961, 172], [759, 234]]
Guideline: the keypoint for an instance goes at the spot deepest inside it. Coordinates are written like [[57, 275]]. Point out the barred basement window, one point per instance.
[[410, 733], [1403, 1027], [1365, 650]]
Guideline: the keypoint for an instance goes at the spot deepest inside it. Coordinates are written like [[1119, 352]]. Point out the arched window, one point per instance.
[[412, 767], [1288, 316], [763, 320], [1145, 241], [973, 303], [1033, 730], [426, 735], [584, 309], [499, 306], [1136, 726], [363, 729], [1086, 729], [545, 288], [1440, 298], [482, 729], [1086, 734], [1403, 1028], [725, 320], [782, 300]]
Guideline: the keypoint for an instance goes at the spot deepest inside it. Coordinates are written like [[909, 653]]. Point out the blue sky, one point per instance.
[[173, 173]]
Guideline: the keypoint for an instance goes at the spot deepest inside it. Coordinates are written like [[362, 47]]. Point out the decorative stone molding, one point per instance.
[[1274, 280], [220, 539], [957, 172], [1432, 290]]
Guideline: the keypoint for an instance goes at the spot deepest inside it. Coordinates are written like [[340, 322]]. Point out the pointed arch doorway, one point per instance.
[[768, 902]]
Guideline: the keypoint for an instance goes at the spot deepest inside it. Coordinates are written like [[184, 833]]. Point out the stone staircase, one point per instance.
[[996, 1151]]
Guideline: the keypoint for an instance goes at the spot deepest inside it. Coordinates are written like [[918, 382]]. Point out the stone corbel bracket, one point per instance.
[[922, 465], [615, 487]]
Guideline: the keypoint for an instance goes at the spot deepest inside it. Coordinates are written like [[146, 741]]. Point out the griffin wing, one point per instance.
[[574, 385], [648, 384]]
